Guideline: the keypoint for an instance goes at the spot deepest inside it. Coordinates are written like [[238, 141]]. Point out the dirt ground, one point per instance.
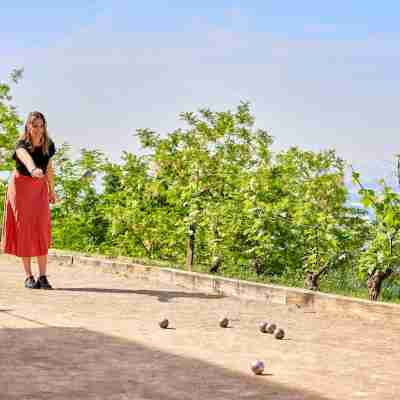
[[96, 336]]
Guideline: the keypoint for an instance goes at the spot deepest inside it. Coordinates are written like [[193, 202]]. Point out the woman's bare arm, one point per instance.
[[26, 158]]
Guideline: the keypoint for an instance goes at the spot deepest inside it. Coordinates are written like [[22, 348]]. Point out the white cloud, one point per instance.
[[102, 82]]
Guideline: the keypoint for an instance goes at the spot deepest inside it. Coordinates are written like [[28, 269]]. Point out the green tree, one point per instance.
[[303, 225], [9, 126], [137, 212], [381, 256], [201, 170], [77, 224]]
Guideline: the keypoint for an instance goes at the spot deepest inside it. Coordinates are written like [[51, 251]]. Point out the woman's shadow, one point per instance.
[[162, 295]]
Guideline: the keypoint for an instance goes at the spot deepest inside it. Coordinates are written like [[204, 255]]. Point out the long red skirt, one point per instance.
[[26, 222]]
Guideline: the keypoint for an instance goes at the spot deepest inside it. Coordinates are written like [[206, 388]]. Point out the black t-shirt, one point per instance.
[[41, 160]]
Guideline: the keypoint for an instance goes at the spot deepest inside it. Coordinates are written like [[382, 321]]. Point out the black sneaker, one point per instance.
[[30, 282], [43, 283], [37, 284]]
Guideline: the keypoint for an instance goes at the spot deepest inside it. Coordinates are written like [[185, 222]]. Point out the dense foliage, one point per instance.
[[214, 197]]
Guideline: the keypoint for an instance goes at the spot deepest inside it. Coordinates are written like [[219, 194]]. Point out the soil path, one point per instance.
[[96, 336]]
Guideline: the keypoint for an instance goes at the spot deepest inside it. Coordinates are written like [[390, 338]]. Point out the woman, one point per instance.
[[26, 224]]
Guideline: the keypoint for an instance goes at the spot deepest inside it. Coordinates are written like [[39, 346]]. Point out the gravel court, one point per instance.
[[112, 320]]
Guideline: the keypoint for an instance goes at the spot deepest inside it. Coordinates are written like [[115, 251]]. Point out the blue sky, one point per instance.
[[318, 74]]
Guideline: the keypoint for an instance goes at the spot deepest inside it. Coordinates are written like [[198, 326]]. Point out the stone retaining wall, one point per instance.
[[313, 301]]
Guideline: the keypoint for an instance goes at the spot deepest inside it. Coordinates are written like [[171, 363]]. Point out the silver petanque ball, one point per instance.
[[223, 322], [263, 326], [279, 334], [257, 367], [164, 323], [271, 328]]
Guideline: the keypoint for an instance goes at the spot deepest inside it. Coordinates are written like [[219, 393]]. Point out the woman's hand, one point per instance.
[[53, 197], [37, 173]]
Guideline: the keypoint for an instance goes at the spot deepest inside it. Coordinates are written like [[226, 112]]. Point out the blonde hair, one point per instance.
[[26, 135]]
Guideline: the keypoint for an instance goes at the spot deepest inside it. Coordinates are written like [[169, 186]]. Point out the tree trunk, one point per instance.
[[256, 265], [215, 264], [190, 247], [216, 260], [311, 281], [374, 283]]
